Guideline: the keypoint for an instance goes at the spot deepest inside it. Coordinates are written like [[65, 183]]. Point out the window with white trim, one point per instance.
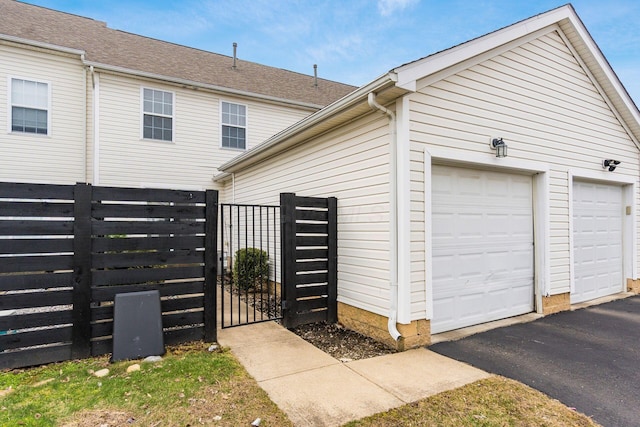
[[157, 114], [234, 125], [29, 106]]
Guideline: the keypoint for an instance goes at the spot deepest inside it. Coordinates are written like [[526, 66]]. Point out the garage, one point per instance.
[[597, 240], [482, 245]]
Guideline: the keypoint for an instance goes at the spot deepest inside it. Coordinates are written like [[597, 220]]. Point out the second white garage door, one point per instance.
[[597, 240], [482, 242]]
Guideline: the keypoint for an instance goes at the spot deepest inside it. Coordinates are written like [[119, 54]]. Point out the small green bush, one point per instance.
[[251, 267]]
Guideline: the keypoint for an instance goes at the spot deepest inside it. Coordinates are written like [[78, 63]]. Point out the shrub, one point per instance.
[[251, 267]]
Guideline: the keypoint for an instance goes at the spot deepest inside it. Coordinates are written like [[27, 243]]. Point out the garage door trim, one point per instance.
[[629, 228], [540, 173]]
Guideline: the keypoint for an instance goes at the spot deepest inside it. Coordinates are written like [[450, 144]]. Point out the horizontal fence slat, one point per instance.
[[20, 264], [107, 293], [110, 244], [12, 190], [307, 279], [35, 320], [144, 275], [179, 336], [35, 356], [36, 209], [166, 305], [311, 304], [309, 317], [311, 228], [312, 266], [104, 210], [147, 195], [35, 228], [182, 319], [133, 259], [311, 291], [312, 215], [104, 329], [312, 241], [15, 282], [302, 253], [311, 202], [35, 246], [146, 227], [33, 338], [36, 299]]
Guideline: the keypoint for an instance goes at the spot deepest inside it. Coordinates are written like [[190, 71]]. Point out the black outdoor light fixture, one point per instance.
[[500, 147], [611, 164]]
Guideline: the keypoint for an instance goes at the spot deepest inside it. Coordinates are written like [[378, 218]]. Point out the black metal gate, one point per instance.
[[278, 262], [250, 289]]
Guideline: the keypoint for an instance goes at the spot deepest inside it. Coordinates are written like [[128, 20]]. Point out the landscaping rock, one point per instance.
[[213, 347], [133, 368], [101, 373], [152, 359]]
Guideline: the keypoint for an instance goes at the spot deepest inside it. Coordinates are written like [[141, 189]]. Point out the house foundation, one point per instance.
[[633, 286], [556, 303], [415, 334]]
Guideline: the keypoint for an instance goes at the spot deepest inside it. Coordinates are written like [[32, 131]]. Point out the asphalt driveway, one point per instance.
[[588, 359]]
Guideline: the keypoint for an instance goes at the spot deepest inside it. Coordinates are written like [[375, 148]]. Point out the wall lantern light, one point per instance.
[[611, 164], [500, 147]]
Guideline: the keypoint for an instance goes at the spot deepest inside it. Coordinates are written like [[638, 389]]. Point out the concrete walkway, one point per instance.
[[314, 389]]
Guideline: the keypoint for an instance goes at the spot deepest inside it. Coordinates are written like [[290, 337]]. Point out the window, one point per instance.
[[234, 126], [157, 116], [29, 106]]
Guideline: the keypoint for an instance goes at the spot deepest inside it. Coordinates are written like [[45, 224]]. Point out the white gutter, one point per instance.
[[393, 224], [85, 149], [192, 83], [95, 80]]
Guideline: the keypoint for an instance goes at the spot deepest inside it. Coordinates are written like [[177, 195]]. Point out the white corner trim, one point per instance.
[[96, 128], [428, 245], [403, 192]]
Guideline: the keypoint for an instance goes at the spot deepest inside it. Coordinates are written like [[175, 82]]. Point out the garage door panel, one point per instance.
[[482, 244], [597, 240]]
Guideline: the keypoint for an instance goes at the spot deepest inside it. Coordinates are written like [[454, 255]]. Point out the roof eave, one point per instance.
[[42, 45], [307, 127], [191, 83]]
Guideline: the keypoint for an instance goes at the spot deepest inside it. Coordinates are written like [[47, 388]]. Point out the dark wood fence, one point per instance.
[[309, 259], [66, 251]]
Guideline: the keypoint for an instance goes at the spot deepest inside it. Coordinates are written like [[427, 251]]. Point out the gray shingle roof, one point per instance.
[[121, 49]]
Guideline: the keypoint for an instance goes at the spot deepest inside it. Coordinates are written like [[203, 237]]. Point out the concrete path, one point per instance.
[[314, 389]]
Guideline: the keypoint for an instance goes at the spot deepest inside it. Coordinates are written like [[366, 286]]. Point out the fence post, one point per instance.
[[81, 315], [211, 266], [288, 257], [332, 313]]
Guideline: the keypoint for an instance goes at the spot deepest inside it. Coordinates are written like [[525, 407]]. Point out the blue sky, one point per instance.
[[354, 41]]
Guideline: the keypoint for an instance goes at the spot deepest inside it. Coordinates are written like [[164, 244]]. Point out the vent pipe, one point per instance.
[[315, 75], [235, 50]]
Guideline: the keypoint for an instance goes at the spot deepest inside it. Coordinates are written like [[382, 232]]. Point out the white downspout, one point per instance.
[[393, 224], [233, 187], [95, 80]]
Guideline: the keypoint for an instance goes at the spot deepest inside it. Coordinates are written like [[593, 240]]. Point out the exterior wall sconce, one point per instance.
[[611, 164], [500, 147]]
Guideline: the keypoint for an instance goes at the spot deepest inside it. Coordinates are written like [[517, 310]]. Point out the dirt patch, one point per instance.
[[101, 418], [340, 342]]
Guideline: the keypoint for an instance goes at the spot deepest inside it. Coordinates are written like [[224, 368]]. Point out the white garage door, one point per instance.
[[597, 240], [482, 233]]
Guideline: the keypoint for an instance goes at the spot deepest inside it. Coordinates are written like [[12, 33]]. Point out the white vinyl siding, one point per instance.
[[352, 164], [539, 99], [192, 159], [59, 156]]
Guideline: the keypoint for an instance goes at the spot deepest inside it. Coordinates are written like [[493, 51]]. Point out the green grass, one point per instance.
[[46, 396]]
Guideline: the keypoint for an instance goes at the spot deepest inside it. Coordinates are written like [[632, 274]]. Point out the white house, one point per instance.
[[435, 231], [82, 102]]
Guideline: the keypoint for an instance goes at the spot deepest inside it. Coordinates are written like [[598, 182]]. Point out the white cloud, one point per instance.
[[387, 7]]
